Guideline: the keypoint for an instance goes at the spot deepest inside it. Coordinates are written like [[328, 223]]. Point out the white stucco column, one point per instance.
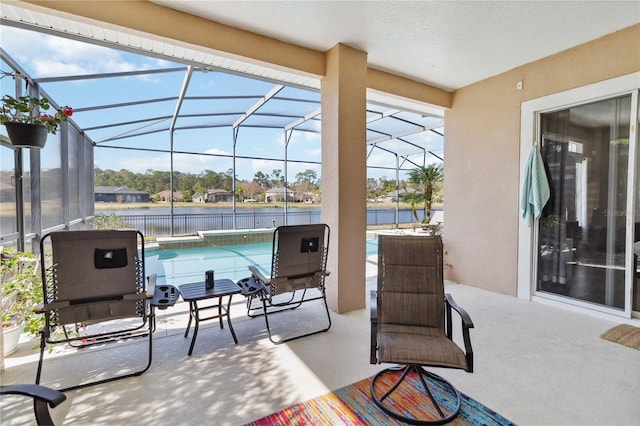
[[344, 175]]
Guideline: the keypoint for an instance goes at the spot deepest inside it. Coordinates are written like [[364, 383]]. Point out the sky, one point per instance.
[[43, 55]]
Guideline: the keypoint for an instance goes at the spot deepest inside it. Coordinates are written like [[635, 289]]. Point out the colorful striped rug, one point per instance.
[[352, 405]]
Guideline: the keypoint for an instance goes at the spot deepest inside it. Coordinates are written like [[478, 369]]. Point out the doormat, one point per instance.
[[624, 334]]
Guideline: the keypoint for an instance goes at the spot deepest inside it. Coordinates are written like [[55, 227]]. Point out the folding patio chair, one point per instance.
[[298, 271], [95, 277]]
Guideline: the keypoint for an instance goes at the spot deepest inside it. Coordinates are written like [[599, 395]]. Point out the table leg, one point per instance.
[[220, 311], [195, 326], [186, 332], [233, 333]]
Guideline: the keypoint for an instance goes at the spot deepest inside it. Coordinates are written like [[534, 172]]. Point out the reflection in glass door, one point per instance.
[[582, 234]]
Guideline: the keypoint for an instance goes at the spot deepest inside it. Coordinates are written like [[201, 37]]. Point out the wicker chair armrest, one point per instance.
[[373, 358]]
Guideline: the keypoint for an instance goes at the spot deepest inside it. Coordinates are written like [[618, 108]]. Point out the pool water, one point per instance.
[[186, 265], [371, 247]]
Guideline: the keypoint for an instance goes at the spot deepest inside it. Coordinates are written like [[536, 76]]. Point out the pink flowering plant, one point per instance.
[[25, 109]]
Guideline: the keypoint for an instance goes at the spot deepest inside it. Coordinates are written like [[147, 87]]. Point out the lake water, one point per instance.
[[202, 210]]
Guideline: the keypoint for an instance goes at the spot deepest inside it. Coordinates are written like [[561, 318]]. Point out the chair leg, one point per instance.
[[149, 335], [41, 411], [273, 308], [43, 344], [277, 342], [136, 373], [443, 410]]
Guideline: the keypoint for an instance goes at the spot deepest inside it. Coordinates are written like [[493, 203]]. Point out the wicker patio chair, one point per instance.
[[411, 325]]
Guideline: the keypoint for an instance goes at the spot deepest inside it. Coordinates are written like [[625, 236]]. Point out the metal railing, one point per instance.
[[189, 224]]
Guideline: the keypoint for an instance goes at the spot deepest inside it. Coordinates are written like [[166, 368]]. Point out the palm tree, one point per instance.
[[240, 192], [428, 177], [412, 198]]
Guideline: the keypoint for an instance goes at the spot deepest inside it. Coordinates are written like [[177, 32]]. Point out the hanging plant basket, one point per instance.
[[27, 135]]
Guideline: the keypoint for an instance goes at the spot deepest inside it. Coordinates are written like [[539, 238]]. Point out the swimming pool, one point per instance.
[[185, 265]]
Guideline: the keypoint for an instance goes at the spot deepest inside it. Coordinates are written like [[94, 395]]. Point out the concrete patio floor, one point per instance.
[[535, 364]]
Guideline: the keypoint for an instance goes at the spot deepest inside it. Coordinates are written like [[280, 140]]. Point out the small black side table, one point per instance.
[[195, 292]]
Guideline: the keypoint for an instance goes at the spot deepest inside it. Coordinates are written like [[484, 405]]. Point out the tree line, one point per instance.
[[423, 185], [195, 184]]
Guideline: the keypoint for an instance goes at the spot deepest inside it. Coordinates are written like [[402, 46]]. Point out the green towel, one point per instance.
[[535, 187]]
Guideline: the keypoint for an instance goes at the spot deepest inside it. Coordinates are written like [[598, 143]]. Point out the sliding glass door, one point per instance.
[[585, 239], [635, 280]]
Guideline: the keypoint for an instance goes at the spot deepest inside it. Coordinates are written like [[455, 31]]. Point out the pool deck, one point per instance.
[[213, 238], [245, 236]]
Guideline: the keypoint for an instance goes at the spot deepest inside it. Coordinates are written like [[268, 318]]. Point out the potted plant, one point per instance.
[[21, 291], [26, 120]]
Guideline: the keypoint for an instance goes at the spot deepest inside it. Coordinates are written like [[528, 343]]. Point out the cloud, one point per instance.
[[381, 158], [50, 56], [258, 165], [305, 146], [45, 55]]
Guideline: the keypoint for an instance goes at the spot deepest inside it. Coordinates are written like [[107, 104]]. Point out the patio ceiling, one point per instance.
[[446, 44], [463, 43]]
